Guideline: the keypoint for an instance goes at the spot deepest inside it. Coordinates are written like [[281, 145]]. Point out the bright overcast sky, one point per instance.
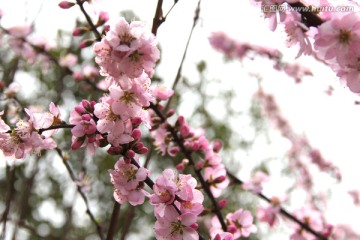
[[331, 123]]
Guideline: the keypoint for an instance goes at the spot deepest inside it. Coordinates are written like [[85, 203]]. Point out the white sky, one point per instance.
[[330, 123]]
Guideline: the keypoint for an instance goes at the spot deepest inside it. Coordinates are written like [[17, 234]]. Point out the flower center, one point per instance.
[[177, 228], [128, 97], [126, 39], [344, 36], [130, 174], [135, 56]]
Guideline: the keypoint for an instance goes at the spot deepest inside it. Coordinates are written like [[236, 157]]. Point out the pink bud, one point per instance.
[[180, 120], [86, 43], [66, 4], [194, 226], [77, 143], [79, 31], [103, 18], [80, 109], [184, 130], [136, 121], [170, 113], [199, 165], [88, 105], [86, 117], [180, 166], [232, 229], [219, 179], [143, 150], [173, 151], [217, 146], [222, 203], [78, 76], [136, 134], [130, 154], [114, 150]]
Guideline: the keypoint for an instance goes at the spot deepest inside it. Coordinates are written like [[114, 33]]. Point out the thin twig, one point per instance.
[[82, 194], [10, 172], [178, 74], [282, 210], [88, 19]]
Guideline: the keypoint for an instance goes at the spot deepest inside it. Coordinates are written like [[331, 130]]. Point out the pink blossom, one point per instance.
[[296, 32], [216, 178], [223, 236], [176, 227], [128, 182], [69, 60], [255, 183], [270, 213], [127, 49], [339, 38], [161, 92]]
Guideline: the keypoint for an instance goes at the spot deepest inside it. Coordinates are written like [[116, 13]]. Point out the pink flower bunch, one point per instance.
[[270, 213], [195, 141], [128, 181], [239, 224], [337, 43], [84, 133], [127, 50], [23, 44], [310, 217], [295, 29], [170, 191], [25, 138], [255, 183]]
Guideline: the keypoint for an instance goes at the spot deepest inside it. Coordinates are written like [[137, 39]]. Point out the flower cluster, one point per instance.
[[239, 224], [234, 49], [177, 203], [29, 136], [128, 181]]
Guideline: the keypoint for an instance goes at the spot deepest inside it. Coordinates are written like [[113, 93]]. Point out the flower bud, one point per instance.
[[130, 154], [136, 121], [77, 143], [86, 43], [66, 4], [114, 150], [170, 113], [103, 18], [143, 150], [136, 134], [222, 203], [80, 31], [217, 146]]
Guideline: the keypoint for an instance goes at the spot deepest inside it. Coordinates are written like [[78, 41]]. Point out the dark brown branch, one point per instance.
[[282, 210], [188, 155], [158, 18], [113, 221], [88, 19], [312, 20]]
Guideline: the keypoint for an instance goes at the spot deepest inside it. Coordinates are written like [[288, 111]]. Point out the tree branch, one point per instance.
[[82, 194]]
